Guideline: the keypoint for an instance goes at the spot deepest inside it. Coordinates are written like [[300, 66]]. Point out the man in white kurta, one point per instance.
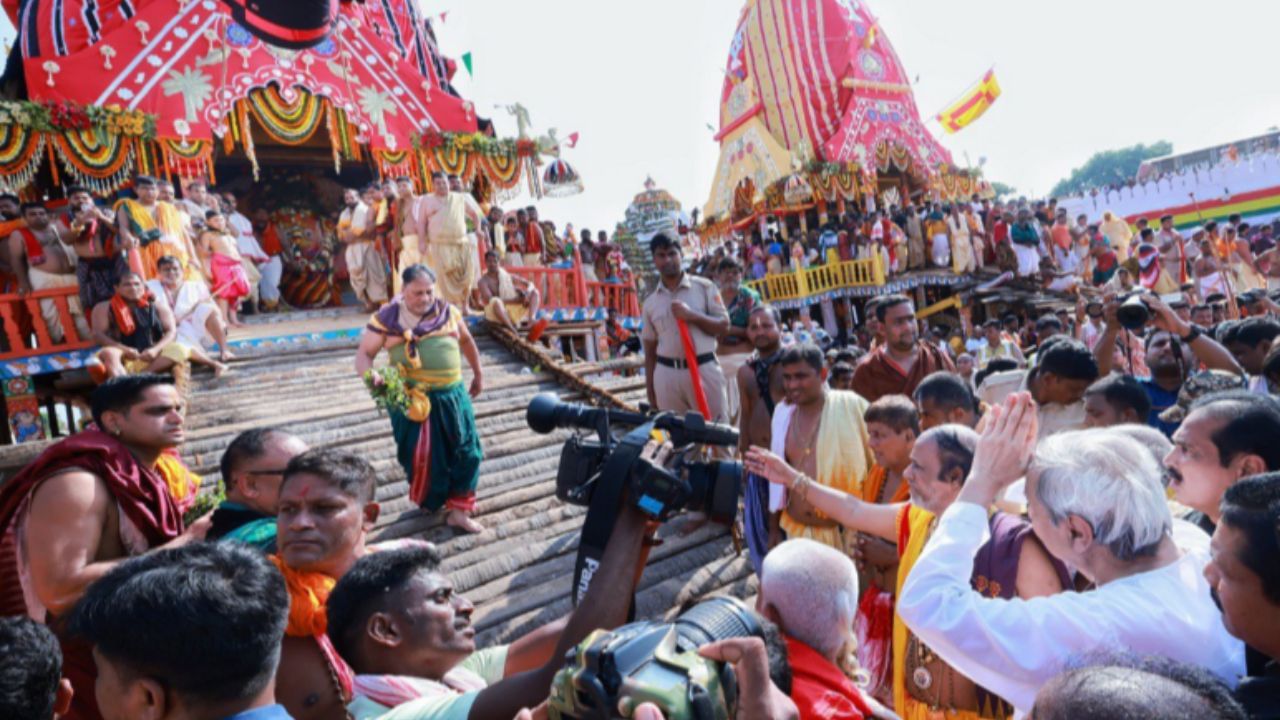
[[1151, 596]]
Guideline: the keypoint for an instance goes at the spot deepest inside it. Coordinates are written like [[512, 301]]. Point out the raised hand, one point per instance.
[[1004, 449]]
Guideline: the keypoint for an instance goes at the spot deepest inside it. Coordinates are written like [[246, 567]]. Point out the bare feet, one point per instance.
[[219, 369], [462, 521], [225, 354]]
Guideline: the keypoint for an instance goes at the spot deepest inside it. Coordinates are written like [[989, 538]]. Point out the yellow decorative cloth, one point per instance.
[[183, 485], [918, 530], [842, 459], [308, 593]]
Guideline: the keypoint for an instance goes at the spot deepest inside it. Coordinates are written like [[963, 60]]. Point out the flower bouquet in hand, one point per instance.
[[386, 387]]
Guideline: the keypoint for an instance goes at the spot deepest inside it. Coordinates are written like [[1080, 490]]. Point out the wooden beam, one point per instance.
[[934, 309]]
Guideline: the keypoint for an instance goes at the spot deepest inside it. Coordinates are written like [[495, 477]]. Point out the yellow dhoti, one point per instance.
[[455, 266], [175, 351], [409, 255], [1246, 278], [516, 310]]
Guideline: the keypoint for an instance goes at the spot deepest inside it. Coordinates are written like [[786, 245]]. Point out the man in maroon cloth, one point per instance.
[[85, 504], [903, 360]]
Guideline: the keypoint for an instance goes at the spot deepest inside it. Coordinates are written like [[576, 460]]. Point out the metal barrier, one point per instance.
[[820, 279]]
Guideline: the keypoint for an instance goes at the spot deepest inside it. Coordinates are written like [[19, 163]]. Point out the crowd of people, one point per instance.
[[1059, 516], [1035, 240]]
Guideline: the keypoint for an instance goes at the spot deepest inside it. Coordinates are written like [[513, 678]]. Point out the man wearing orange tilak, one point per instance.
[[327, 507]]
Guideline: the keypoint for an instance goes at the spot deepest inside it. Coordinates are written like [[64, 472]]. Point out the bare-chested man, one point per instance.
[[505, 298], [821, 433], [88, 502], [411, 228], [759, 391], [100, 262], [1211, 279], [42, 260]]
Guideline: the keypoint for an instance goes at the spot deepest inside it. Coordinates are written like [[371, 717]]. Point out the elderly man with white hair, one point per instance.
[[810, 591], [1097, 503], [1012, 563]]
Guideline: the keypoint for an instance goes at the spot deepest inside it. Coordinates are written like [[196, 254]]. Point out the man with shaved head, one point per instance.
[[810, 591]]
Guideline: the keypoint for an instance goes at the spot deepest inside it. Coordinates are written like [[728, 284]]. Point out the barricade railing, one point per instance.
[[26, 330]]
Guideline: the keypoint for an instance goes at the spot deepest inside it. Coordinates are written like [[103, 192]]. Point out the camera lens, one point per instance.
[[714, 619], [1133, 313]]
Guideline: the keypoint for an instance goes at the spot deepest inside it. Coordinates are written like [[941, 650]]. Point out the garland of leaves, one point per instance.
[[56, 117]]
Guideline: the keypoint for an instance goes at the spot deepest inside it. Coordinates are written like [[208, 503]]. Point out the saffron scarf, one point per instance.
[[182, 484], [308, 593], [122, 311], [35, 251]]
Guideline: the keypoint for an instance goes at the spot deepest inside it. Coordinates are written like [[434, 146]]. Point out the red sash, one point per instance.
[[123, 313], [35, 251]]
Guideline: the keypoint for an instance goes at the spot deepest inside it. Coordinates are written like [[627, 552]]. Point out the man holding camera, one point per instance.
[[1173, 351], [407, 633], [682, 304]]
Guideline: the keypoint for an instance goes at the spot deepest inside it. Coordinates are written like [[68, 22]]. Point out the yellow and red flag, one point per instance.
[[972, 104]]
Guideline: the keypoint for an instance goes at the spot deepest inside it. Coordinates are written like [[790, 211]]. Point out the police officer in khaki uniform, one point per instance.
[[696, 301]]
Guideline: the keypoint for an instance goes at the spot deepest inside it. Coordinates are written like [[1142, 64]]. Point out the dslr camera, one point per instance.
[[610, 673]]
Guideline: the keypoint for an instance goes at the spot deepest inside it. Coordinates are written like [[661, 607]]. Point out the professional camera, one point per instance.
[[598, 472], [1133, 312], [610, 673], [710, 487]]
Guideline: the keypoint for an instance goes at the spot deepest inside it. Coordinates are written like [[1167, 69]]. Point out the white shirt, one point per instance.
[[357, 218], [1013, 647], [1053, 417], [190, 294]]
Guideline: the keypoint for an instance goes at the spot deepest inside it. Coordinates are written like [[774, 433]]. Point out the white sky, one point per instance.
[[641, 81]]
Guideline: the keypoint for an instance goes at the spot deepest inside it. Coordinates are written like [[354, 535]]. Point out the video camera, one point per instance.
[[610, 673], [596, 472]]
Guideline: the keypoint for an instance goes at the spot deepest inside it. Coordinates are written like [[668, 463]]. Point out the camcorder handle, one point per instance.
[[602, 514]]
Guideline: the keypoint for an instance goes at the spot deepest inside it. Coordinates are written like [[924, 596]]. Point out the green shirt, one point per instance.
[[488, 664]]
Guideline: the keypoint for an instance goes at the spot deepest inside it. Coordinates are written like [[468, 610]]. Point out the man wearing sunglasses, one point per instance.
[[252, 470]]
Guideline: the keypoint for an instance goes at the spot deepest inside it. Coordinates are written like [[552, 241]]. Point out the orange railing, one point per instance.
[[25, 332], [563, 288], [619, 297]]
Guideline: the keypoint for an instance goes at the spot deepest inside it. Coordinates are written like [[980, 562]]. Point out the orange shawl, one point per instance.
[[308, 593], [874, 483]]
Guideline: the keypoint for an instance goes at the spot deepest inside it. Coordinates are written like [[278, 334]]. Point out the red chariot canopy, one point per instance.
[[188, 62]]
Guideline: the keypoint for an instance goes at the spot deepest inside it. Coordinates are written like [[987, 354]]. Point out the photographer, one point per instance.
[[396, 619], [1174, 349]]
